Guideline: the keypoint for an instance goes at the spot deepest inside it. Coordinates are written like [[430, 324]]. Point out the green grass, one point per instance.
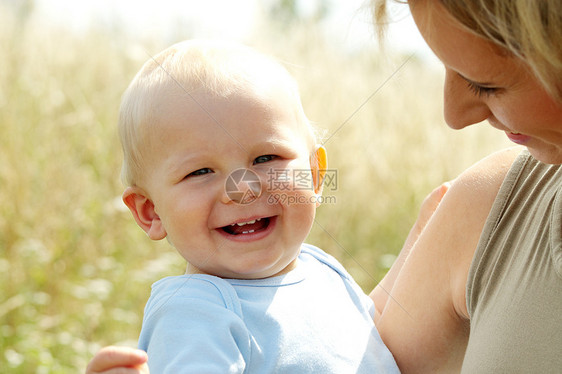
[[75, 271]]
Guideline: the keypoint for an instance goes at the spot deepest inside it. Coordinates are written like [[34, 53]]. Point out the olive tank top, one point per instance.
[[514, 288]]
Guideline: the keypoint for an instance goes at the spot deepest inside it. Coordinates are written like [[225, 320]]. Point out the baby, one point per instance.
[[214, 137]]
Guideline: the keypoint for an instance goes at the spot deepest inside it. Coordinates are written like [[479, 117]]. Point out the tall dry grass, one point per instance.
[[75, 271]]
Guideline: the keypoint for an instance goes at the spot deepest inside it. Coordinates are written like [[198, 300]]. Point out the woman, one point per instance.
[[481, 290]]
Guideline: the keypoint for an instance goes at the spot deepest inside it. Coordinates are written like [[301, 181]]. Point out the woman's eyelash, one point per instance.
[[481, 91]]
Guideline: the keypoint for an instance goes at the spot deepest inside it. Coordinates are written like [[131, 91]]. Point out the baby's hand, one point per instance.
[[429, 205], [118, 360]]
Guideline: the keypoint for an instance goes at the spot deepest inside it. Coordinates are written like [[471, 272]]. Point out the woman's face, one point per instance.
[[482, 83]]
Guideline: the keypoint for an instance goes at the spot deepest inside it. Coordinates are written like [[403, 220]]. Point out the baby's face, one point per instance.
[[253, 225]]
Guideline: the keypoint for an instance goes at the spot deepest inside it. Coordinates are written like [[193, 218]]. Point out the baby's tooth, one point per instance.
[[246, 223]]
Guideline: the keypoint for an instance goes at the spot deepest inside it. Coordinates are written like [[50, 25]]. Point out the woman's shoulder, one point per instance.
[[484, 178], [472, 194]]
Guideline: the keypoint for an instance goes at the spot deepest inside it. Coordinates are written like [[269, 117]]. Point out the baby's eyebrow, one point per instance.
[[177, 164], [279, 145], [278, 142]]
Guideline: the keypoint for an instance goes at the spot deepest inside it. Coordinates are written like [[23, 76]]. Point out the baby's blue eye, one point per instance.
[[264, 158], [199, 172]]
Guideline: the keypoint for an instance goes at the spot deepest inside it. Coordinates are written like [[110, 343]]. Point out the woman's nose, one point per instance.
[[462, 106]]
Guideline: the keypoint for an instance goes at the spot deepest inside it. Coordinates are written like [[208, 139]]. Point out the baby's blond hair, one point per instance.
[[186, 68]]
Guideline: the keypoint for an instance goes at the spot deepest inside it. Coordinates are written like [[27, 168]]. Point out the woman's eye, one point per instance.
[[199, 172], [481, 91], [264, 158]]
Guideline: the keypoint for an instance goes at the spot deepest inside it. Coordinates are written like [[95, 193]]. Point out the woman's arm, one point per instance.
[[424, 321], [381, 293]]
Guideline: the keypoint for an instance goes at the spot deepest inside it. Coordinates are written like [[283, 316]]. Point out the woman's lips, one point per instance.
[[518, 138]]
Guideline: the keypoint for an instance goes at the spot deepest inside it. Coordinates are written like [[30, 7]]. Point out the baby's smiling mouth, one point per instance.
[[249, 227]]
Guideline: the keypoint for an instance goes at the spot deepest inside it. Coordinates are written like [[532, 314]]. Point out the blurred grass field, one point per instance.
[[75, 270]]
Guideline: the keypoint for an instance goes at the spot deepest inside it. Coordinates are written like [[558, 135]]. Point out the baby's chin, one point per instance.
[[273, 270]]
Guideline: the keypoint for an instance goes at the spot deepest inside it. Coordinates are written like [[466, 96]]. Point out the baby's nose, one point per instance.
[[243, 186]]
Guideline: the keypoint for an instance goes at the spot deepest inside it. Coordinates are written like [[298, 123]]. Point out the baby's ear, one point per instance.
[[318, 166], [144, 213]]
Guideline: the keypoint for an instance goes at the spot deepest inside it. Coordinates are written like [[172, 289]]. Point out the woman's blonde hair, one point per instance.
[[190, 67], [528, 29]]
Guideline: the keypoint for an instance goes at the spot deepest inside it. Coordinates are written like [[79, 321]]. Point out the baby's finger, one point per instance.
[[113, 357], [122, 370], [431, 202]]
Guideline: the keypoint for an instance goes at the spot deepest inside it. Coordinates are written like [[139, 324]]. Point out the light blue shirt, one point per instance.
[[314, 319]]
